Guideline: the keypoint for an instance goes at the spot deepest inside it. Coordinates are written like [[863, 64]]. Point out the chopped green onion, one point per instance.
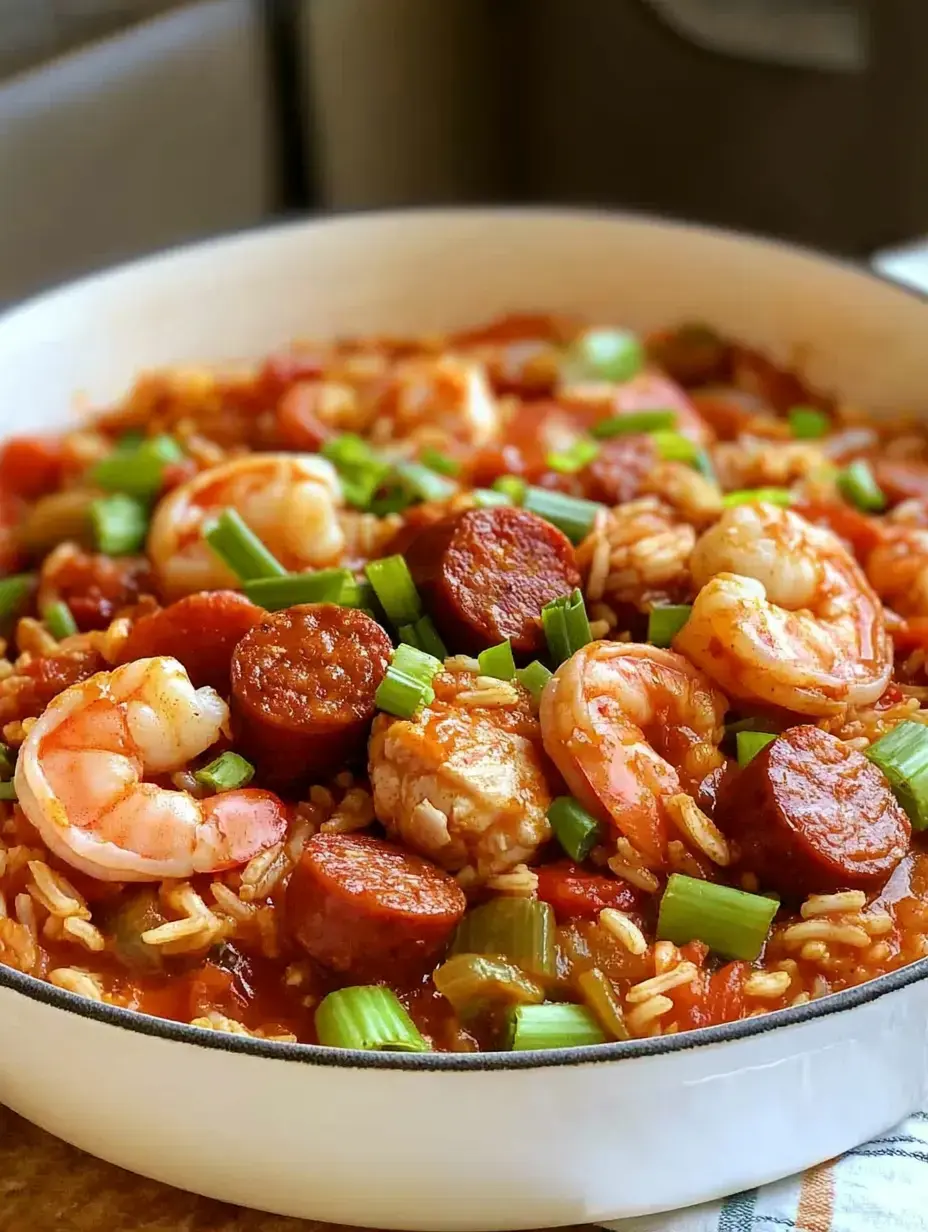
[[902, 755], [395, 499], [408, 682], [59, 620], [575, 829], [498, 661], [276, 593], [807, 423], [750, 496], [703, 463], [566, 626], [674, 447], [360, 469], [534, 678], [424, 636], [580, 454], [423, 483], [665, 622], [487, 498], [600, 998], [858, 486], [240, 549], [120, 524], [753, 724], [604, 355], [137, 471], [395, 589], [440, 462], [370, 1018], [14, 591], [226, 773], [357, 593], [634, 422], [534, 1027], [750, 743], [570, 514], [511, 486], [7, 761], [731, 922], [521, 930], [471, 981], [8, 792]]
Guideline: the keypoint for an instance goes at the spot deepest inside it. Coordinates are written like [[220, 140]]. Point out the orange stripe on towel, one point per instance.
[[816, 1199]]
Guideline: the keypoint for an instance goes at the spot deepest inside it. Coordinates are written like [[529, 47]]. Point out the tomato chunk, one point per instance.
[[30, 466], [577, 893]]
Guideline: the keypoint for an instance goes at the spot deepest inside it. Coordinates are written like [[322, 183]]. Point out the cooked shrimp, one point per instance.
[[629, 726], [79, 779], [898, 569], [461, 783], [785, 616], [290, 501], [438, 400]]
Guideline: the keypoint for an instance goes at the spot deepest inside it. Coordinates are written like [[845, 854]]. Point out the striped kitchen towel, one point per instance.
[[881, 1186]]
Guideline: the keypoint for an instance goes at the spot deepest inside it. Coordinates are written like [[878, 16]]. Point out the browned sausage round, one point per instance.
[[485, 575], [617, 473], [369, 910], [303, 685], [201, 630], [809, 815]]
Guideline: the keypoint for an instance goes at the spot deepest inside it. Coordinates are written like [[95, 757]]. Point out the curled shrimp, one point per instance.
[[290, 501], [79, 779], [628, 726], [897, 569], [785, 616]]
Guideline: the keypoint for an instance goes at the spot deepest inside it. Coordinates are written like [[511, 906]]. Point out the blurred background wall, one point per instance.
[[129, 125]]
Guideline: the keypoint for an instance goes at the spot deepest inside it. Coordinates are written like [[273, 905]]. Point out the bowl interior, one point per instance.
[[235, 298]]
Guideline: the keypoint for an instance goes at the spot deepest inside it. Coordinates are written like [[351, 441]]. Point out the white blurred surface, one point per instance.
[[908, 264], [155, 136]]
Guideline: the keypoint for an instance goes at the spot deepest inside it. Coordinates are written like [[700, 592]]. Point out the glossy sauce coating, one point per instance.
[[367, 909], [303, 685], [485, 575], [810, 815], [200, 630]]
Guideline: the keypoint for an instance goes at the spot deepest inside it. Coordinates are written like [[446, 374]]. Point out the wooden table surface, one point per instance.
[[47, 1186]]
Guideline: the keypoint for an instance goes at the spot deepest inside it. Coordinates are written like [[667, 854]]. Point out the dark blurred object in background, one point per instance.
[[803, 118]]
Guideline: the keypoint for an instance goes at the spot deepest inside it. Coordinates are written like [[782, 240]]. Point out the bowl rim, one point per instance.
[[431, 1062]]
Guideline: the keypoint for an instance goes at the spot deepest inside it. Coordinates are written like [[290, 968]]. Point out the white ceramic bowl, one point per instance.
[[463, 1142]]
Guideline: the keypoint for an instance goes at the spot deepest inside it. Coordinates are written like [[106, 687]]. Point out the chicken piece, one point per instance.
[[464, 783]]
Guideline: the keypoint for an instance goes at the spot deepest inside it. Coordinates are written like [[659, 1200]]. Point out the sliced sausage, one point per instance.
[[809, 815], [201, 631], [370, 910], [485, 575], [303, 685], [618, 472]]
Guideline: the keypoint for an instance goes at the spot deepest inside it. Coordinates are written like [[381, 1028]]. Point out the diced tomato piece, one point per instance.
[[30, 466], [726, 992], [576, 893], [863, 533], [711, 999]]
